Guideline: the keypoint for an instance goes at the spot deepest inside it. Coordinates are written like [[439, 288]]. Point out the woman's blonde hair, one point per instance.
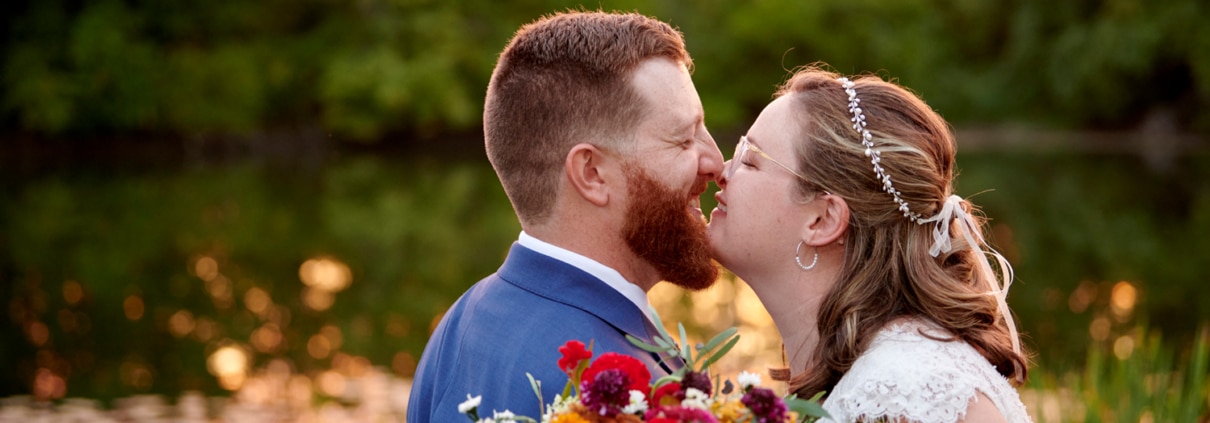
[[888, 271]]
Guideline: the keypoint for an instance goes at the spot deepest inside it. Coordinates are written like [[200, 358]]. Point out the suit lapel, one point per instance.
[[558, 281]]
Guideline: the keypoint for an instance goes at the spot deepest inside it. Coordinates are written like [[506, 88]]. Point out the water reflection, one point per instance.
[[317, 292]]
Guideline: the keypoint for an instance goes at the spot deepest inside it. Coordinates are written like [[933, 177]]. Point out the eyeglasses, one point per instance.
[[741, 151]]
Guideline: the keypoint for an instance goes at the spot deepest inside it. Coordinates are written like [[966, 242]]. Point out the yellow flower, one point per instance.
[[729, 411], [569, 418]]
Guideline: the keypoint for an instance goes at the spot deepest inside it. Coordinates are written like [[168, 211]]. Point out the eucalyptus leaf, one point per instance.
[[643, 345], [726, 348], [718, 339]]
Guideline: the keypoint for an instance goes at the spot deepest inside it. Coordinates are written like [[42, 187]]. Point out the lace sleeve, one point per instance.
[[904, 375]]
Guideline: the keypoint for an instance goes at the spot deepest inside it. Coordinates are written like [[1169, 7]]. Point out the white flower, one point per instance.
[[695, 398], [486, 420], [503, 417], [638, 403], [558, 406], [748, 380], [471, 403]]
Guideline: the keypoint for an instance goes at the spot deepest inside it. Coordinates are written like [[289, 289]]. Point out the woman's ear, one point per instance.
[[827, 222], [588, 173]]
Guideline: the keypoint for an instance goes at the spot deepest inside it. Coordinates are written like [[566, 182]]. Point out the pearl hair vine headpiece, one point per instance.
[[867, 140], [951, 210]]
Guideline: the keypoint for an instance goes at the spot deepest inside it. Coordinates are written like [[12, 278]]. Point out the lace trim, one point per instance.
[[907, 374]]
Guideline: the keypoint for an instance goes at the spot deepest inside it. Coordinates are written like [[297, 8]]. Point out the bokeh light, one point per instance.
[[181, 323], [73, 293], [48, 385], [133, 306], [1123, 347], [1122, 299], [38, 333], [230, 364], [326, 274], [267, 338], [257, 301], [317, 299], [206, 268], [1099, 328]]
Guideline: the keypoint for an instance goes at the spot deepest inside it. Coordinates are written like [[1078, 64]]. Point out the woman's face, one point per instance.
[[759, 215]]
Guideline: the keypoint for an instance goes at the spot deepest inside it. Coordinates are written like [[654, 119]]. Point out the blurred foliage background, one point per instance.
[[303, 182]]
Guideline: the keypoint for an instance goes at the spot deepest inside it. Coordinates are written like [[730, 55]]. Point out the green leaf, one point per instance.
[[659, 324], [685, 343], [718, 339], [807, 408], [536, 385], [645, 346], [726, 348]]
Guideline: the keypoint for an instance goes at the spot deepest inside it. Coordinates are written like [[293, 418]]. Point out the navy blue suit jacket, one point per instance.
[[513, 322]]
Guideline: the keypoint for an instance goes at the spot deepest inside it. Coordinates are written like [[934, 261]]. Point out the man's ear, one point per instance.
[[827, 221], [589, 173]]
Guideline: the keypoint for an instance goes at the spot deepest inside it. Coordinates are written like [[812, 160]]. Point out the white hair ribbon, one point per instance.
[[998, 285]]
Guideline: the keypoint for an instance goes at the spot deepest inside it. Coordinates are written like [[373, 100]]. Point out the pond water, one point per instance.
[[210, 277]]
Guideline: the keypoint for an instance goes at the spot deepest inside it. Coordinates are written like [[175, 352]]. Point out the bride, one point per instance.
[[838, 209]]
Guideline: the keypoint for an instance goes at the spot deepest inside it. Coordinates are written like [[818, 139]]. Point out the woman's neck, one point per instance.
[[793, 301]]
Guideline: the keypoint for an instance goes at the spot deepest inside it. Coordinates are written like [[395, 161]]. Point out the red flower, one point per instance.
[[667, 394], [573, 353], [638, 378]]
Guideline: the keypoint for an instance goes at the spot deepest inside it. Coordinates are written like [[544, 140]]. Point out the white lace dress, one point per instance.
[[906, 375]]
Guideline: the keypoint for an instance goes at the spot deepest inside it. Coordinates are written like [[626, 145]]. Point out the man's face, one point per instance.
[[673, 161]]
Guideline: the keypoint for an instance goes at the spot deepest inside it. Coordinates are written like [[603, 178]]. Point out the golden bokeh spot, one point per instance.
[[1083, 295], [73, 293], [404, 364], [331, 383], [181, 323], [205, 329], [48, 385], [333, 334], [317, 299], [1123, 347], [325, 273], [267, 338], [38, 333], [1099, 329], [319, 347], [230, 364], [1123, 298], [206, 268], [299, 389], [257, 300], [133, 306]]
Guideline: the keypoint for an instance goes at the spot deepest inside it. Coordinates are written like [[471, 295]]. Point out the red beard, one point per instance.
[[660, 230]]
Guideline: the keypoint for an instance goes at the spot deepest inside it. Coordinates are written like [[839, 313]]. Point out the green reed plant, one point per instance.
[[1137, 377]]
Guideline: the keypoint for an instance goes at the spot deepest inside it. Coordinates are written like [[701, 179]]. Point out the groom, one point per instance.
[[595, 130]]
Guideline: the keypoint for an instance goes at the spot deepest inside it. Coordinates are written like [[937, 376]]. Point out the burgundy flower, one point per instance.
[[766, 406], [606, 392], [698, 380]]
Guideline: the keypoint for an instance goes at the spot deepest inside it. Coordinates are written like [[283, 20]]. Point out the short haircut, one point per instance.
[[562, 80]]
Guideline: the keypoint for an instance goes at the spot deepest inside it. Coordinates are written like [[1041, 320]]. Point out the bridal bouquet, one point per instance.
[[618, 388]]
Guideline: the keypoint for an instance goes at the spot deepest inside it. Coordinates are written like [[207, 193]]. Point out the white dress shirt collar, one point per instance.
[[605, 273]]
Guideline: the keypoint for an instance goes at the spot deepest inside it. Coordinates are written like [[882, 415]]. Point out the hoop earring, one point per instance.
[[798, 259]]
